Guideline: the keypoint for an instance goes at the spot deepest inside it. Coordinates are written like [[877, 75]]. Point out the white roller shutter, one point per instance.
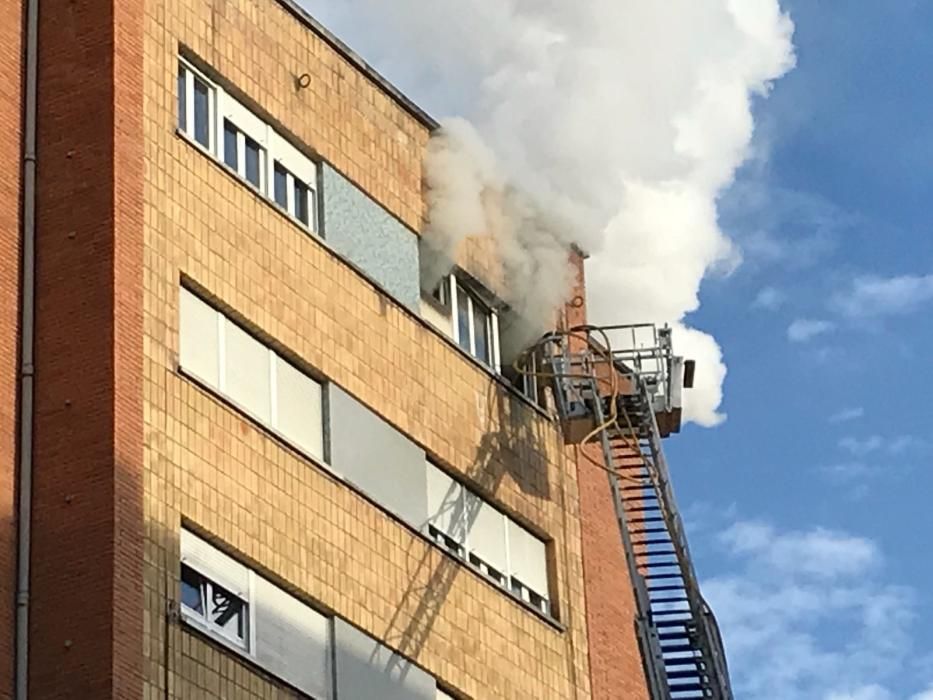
[[199, 330], [246, 372], [487, 538], [445, 504], [298, 408], [293, 641], [528, 559], [214, 564]]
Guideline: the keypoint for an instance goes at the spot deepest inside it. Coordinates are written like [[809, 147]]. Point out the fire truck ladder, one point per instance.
[[677, 632]]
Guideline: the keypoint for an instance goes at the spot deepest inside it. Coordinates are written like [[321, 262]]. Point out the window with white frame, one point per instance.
[[475, 325], [294, 182], [231, 603], [247, 145], [219, 353], [196, 106], [487, 539], [208, 604]]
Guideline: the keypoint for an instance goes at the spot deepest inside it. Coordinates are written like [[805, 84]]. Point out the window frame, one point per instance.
[[221, 388], [463, 550], [189, 129], [451, 289], [298, 169], [273, 147], [248, 127], [204, 622]]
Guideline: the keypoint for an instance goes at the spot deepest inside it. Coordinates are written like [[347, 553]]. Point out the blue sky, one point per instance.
[[829, 377], [808, 508]]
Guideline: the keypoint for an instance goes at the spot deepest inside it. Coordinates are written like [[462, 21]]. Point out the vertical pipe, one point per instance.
[[27, 341]]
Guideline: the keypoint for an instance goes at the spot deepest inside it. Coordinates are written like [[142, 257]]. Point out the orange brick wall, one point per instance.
[[616, 669], [11, 157], [208, 465], [86, 617], [126, 208]]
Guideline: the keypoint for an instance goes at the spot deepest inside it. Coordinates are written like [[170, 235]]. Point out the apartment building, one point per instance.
[[245, 450]]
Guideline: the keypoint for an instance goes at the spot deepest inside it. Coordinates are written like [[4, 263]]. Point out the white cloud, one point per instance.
[[845, 415], [816, 553], [874, 296], [769, 298], [861, 446], [779, 593], [906, 443], [865, 692], [778, 227], [804, 330], [924, 695], [623, 121]]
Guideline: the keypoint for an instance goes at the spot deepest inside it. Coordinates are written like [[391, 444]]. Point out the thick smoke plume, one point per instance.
[[468, 196], [620, 122]]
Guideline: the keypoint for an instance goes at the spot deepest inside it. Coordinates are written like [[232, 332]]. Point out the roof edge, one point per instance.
[[356, 60]]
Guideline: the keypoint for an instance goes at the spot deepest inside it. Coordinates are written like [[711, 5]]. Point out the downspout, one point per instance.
[[27, 341]]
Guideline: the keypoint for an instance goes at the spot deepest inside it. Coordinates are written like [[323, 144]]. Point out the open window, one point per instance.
[[459, 309], [208, 604]]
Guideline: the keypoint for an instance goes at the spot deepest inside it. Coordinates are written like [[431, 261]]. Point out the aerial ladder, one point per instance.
[[625, 400]]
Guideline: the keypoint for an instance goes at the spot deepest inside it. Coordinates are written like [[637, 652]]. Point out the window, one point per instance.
[[487, 539], [219, 353], [293, 195], [247, 145], [196, 99], [231, 603], [475, 325], [212, 606], [295, 183]]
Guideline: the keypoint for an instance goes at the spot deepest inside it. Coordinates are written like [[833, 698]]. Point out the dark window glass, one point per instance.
[[301, 202], [202, 113], [440, 291], [280, 186], [463, 318], [228, 612], [230, 144], [182, 100], [481, 333], [252, 161], [192, 590]]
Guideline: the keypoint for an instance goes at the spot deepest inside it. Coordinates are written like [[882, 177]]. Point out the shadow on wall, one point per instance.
[[516, 448]]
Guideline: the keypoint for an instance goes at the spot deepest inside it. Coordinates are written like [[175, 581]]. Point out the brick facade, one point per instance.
[[11, 155], [130, 449], [86, 612], [615, 662]]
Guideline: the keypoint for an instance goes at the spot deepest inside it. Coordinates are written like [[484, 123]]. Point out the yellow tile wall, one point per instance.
[[207, 464]]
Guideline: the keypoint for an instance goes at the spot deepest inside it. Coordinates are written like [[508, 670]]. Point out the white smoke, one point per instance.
[[627, 118], [468, 195]]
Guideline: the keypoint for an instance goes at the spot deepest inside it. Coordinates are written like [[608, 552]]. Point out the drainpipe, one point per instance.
[[27, 338]]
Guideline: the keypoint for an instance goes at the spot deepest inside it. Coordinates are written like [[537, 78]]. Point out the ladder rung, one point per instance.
[[648, 531], [672, 623], [669, 636], [695, 674]]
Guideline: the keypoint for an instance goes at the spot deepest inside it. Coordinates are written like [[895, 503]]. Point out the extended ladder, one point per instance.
[[677, 632]]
